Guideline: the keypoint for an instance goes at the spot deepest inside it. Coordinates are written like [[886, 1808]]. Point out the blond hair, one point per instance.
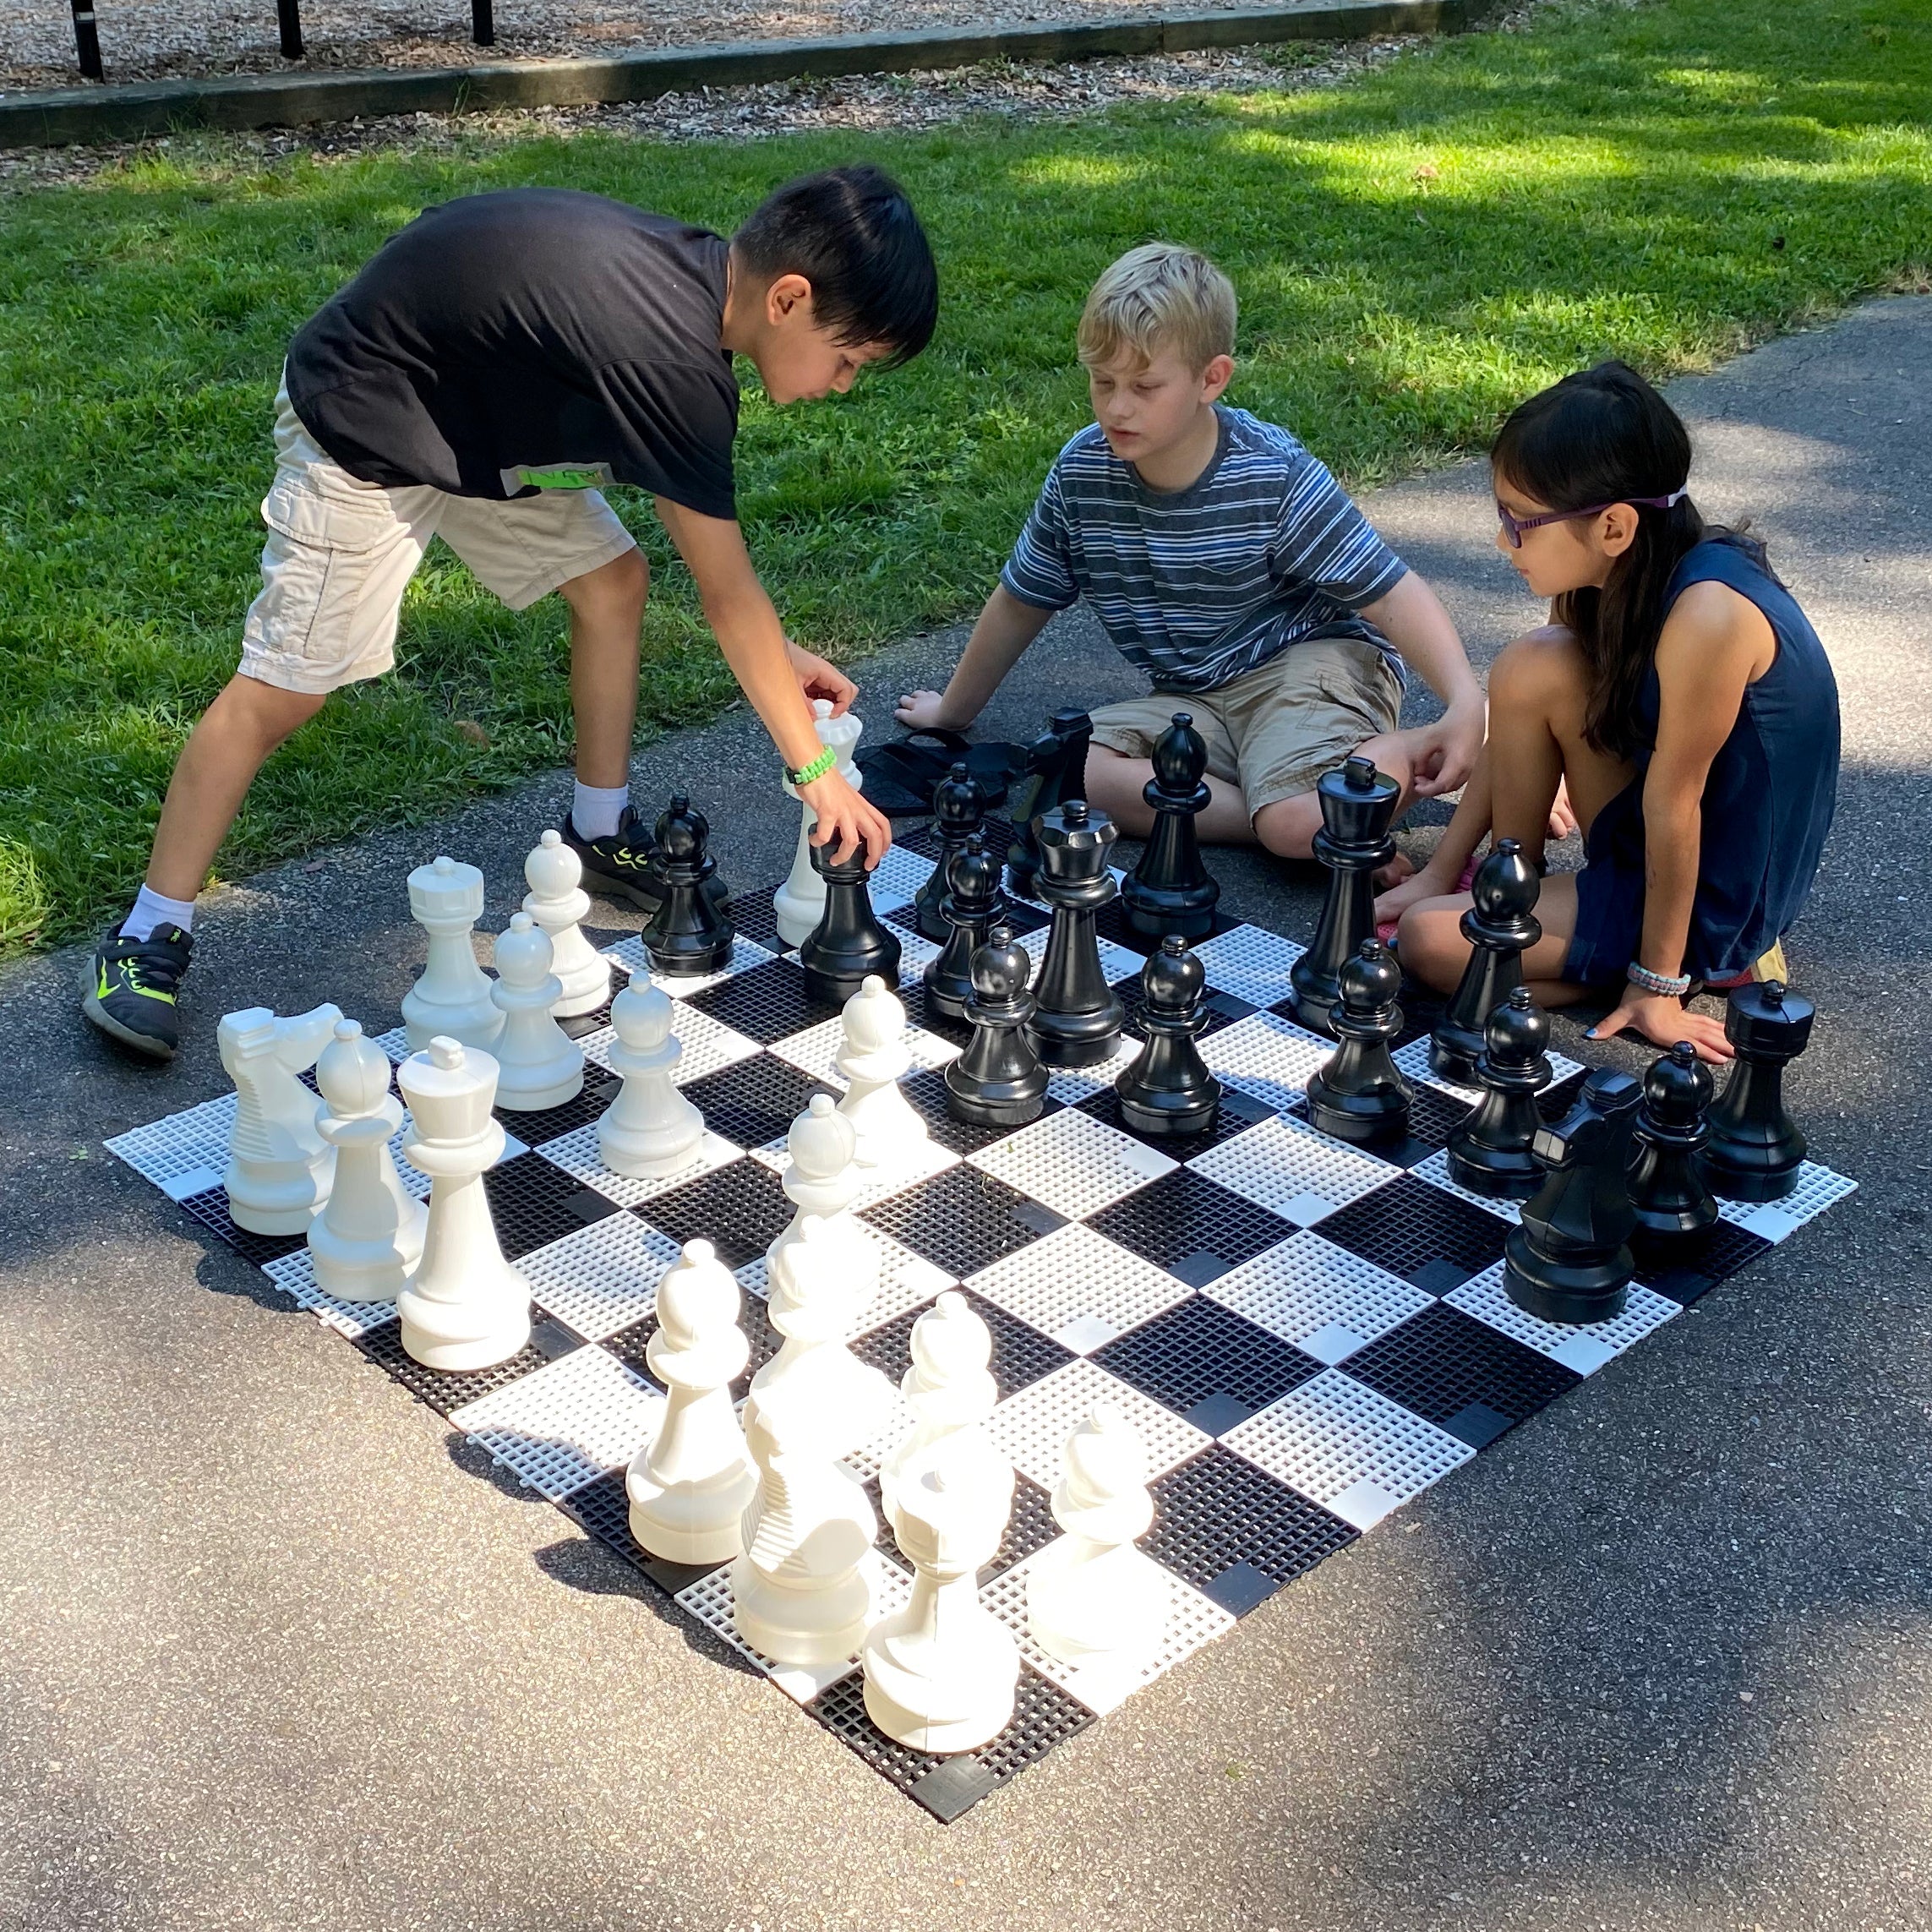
[[1159, 296]]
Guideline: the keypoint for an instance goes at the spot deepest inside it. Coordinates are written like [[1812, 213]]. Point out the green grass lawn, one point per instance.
[[1414, 251]]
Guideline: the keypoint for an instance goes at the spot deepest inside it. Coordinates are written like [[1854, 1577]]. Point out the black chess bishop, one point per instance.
[[1489, 1148], [1056, 771], [998, 1081], [1755, 1150], [958, 810], [1667, 1190], [1357, 1094], [1500, 925], [848, 944], [1079, 1016], [1170, 891], [973, 903], [1167, 1089], [688, 934], [1358, 804]]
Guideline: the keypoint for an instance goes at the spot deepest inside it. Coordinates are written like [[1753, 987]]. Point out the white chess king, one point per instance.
[[280, 1167], [557, 902], [799, 904], [452, 996], [370, 1235]]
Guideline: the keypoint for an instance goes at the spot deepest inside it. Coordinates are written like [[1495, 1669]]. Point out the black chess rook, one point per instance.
[[1170, 891], [688, 933], [1079, 1017], [958, 810], [848, 944], [1755, 1150], [973, 903], [1490, 1148], [1358, 804], [1670, 1195], [1056, 771], [1500, 925], [1167, 1089], [1358, 1094], [998, 1081]]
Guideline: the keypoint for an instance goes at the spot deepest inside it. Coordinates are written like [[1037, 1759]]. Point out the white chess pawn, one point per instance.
[[541, 1065], [280, 1167], [464, 1306], [948, 1388], [452, 996], [1092, 1598], [797, 904], [872, 1058], [816, 1302], [822, 1178], [369, 1236], [941, 1673], [556, 900], [691, 1484], [650, 1129]]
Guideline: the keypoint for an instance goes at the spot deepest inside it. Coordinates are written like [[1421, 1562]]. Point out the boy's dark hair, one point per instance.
[[851, 233]]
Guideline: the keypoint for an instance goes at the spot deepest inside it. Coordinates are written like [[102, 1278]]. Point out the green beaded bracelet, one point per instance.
[[817, 768]]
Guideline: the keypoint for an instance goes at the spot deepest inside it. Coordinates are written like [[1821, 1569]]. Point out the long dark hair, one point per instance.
[[1604, 435]]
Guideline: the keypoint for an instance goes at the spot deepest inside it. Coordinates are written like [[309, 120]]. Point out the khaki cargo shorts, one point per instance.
[[340, 552], [1275, 729]]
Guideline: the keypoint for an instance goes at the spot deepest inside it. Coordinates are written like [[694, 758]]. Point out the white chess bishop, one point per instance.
[[872, 1058], [1092, 1597], [823, 1178], [799, 904], [370, 1235], [650, 1129], [452, 996], [948, 1387], [464, 1307], [280, 1167], [539, 1064], [691, 1484], [557, 902]]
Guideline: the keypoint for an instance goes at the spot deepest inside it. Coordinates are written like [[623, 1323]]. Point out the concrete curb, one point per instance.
[[60, 116]]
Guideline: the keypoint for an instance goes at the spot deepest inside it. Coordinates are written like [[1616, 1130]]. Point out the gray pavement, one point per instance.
[[275, 1652]]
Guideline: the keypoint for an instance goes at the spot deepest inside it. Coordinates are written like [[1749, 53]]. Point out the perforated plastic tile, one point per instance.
[[1021, 1354], [577, 1153], [1070, 1085], [962, 1220], [1352, 1450], [435, 1387], [1072, 1163], [210, 1209], [561, 1425], [396, 1043], [1237, 1114], [192, 1143], [739, 1209], [1414, 1060], [1251, 963], [1269, 1057], [1684, 1268], [1292, 1171], [708, 1045], [897, 878], [745, 956], [1585, 1347], [754, 1102], [602, 1278], [1207, 1363], [1079, 1288], [1326, 1300], [1426, 1236], [1032, 1426], [926, 1090], [1818, 1188], [769, 1002], [1432, 1114], [752, 914], [533, 1204], [294, 1274], [1436, 1171], [815, 1051], [1191, 1226]]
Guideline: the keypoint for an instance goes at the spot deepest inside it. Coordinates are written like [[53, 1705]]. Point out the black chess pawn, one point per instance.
[[1080, 1015], [1570, 1261], [1499, 925], [1167, 1089], [1169, 890], [1357, 1094], [1057, 767], [848, 944], [958, 810], [973, 903], [998, 1081], [1489, 1148], [688, 933], [1755, 1149], [1357, 804], [1669, 1192]]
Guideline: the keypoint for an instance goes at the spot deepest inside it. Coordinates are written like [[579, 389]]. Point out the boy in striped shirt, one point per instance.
[[1227, 564]]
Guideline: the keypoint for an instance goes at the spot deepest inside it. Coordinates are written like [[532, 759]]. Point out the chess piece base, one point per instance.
[[1744, 1173], [374, 1269], [1005, 1104], [692, 1523], [288, 1208], [1572, 1296], [970, 1706], [811, 1628], [456, 1339], [1373, 1119], [1498, 1177], [1182, 1116]]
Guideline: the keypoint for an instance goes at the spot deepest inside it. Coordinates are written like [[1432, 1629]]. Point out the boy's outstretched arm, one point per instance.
[[1412, 617], [776, 676], [1007, 626]]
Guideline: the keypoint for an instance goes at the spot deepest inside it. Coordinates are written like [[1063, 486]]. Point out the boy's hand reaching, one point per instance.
[[925, 711], [846, 820], [1445, 752], [819, 679]]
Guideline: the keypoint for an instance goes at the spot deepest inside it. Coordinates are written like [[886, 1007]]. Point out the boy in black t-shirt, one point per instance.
[[496, 360]]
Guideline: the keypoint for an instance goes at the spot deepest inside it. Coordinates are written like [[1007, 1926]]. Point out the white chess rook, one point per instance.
[[691, 1484], [370, 1235], [948, 1387], [464, 1307], [452, 996], [540, 1065], [872, 1058], [557, 901], [280, 1167], [822, 1177], [1093, 1598], [650, 1129], [799, 904]]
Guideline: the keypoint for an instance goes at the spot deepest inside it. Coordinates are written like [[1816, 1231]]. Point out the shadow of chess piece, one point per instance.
[[1489, 1148], [1167, 1089], [1755, 1150], [1056, 765], [998, 1081], [973, 902], [1170, 891], [1357, 1094], [1500, 925], [1078, 1019], [958, 810], [1357, 806], [1570, 1261], [1669, 1193], [847, 946], [687, 935]]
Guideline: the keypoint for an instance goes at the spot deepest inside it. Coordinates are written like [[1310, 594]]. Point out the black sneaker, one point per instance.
[[622, 863], [130, 989]]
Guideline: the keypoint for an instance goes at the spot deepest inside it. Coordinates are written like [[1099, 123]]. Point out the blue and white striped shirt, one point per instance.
[[1196, 585]]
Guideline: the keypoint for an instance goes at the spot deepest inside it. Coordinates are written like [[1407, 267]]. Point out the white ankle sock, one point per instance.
[[598, 809], [151, 909]]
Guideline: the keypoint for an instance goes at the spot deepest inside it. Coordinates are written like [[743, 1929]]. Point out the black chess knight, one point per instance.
[[848, 943], [1170, 891], [974, 903], [1357, 804], [1489, 1148], [1755, 1150], [958, 810], [1357, 1094], [1499, 925], [1167, 1089], [687, 935], [998, 1081], [1056, 771], [1080, 1015], [1669, 1193]]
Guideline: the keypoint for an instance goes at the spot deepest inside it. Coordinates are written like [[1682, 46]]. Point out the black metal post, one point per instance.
[[288, 16], [86, 41], [483, 23]]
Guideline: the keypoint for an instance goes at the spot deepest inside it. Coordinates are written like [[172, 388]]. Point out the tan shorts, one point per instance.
[[340, 552], [1274, 730]]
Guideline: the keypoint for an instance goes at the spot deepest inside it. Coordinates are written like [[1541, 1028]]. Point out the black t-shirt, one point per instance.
[[533, 338]]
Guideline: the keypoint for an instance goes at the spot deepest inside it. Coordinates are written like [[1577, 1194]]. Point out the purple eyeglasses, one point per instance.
[[1514, 527]]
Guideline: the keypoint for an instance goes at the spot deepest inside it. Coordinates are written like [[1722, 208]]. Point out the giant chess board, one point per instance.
[[1307, 1336]]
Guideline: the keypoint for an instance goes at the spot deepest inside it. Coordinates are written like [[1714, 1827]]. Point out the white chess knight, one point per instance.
[[941, 1673], [452, 996], [948, 1387], [650, 1129], [817, 1302], [280, 1167], [464, 1306], [691, 1484], [557, 901], [1092, 1597], [369, 1234], [797, 904], [540, 1065], [872, 1058], [823, 1178]]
